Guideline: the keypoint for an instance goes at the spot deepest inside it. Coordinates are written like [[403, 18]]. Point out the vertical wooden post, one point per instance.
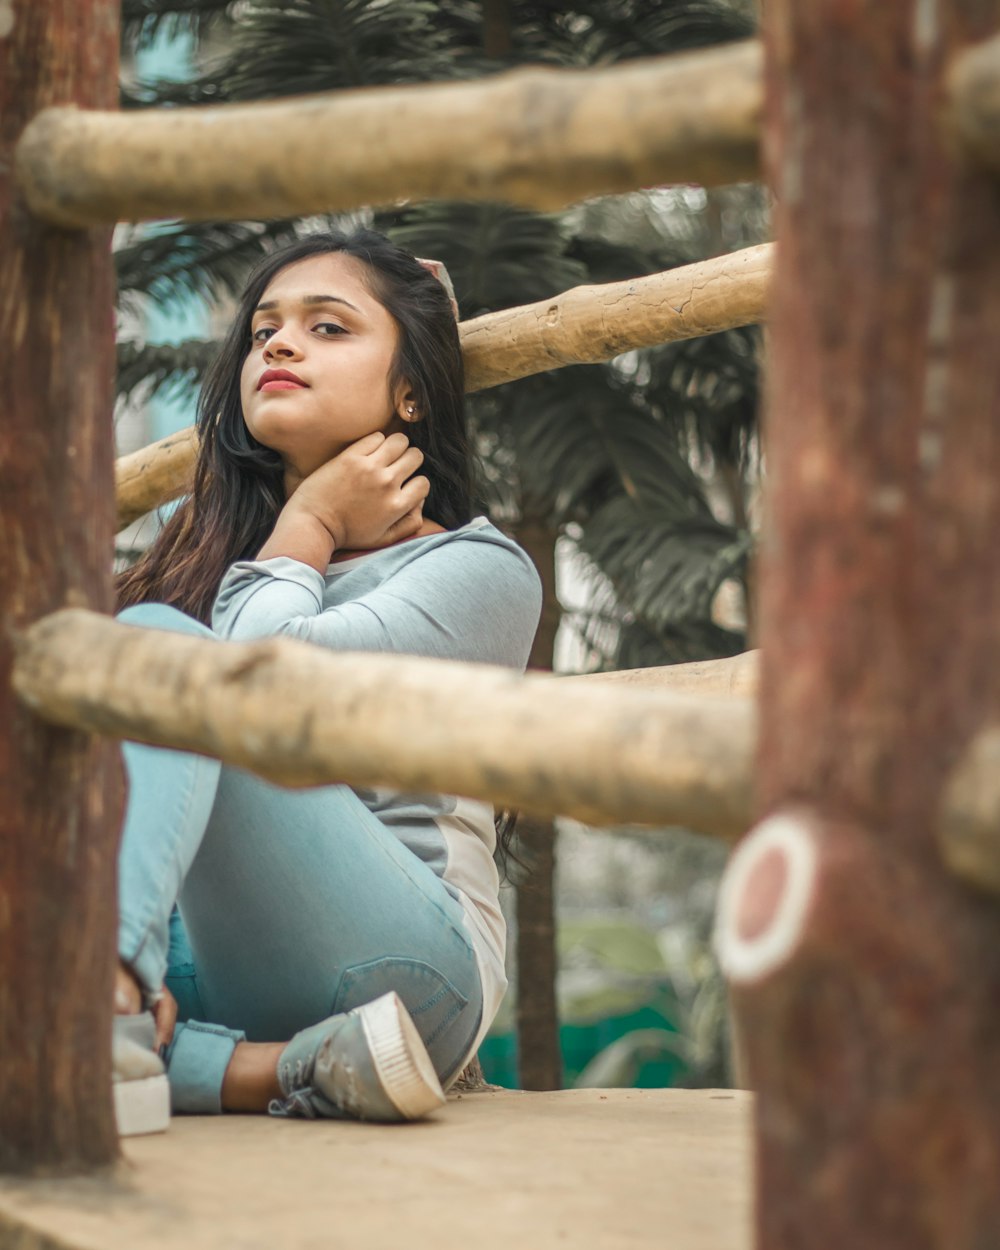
[[867, 980], [539, 1055], [59, 791], [498, 38]]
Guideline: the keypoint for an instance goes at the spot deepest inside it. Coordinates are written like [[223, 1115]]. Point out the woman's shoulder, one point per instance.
[[474, 541], [480, 543], [479, 530], [476, 561]]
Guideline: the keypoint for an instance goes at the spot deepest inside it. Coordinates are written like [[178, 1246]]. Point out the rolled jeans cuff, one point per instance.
[[196, 1064]]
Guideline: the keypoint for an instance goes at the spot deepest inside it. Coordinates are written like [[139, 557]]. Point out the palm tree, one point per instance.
[[641, 464]]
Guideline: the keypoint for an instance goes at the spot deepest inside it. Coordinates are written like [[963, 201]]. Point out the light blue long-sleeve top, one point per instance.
[[466, 594]]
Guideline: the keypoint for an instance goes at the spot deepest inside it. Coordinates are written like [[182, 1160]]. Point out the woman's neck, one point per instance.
[[428, 528]]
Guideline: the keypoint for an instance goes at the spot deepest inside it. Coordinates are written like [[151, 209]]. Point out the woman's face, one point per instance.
[[317, 323]]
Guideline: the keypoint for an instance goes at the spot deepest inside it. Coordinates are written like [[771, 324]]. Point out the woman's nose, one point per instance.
[[281, 346]]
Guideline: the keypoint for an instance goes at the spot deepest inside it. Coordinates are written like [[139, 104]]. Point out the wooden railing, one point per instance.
[[864, 974]]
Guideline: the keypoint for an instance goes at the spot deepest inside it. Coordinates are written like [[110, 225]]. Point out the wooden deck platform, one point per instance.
[[598, 1169]]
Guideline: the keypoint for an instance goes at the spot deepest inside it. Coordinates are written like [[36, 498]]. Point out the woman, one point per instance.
[[341, 951]]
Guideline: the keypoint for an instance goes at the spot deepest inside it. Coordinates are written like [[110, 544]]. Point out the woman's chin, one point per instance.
[[285, 438]]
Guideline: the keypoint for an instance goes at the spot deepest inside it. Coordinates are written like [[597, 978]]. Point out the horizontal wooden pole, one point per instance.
[[154, 475], [669, 746], [734, 675], [973, 103], [537, 137], [580, 326], [593, 323], [301, 716]]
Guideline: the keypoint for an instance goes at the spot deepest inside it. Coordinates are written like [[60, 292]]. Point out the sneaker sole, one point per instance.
[[401, 1060], [142, 1106]]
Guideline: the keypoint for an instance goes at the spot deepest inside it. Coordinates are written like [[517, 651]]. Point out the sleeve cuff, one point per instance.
[[196, 1064], [243, 584]]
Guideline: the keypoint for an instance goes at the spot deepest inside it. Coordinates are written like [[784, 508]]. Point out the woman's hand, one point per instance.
[[362, 499], [165, 1016], [367, 496]]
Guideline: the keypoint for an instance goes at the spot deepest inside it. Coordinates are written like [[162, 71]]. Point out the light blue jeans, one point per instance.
[[265, 910]]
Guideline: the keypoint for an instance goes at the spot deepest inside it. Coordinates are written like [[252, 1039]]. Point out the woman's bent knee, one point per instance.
[[446, 1012], [163, 616]]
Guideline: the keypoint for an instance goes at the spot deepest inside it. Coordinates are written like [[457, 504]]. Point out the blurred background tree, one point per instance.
[[641, 472]]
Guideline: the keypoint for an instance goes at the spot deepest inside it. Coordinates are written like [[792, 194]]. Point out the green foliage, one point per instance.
[[620, 30], [616, 969], [168, 368], [498, 256], [323, 45], [205, 259], [143, 21]]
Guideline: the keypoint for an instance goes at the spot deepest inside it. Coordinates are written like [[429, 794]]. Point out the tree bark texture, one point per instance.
[[59, 789], [867, 978], [538, 1048], [300, 715], [538, 137], [581, 326]]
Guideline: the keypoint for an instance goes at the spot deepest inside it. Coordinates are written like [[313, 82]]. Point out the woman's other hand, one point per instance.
[[367, 497], [165, 1017], [362, 499]]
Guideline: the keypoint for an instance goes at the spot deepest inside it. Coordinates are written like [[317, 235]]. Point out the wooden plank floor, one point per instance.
[[593, 1168]]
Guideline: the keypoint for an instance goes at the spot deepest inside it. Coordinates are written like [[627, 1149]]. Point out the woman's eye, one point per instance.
[[329, 328], [263, 334]]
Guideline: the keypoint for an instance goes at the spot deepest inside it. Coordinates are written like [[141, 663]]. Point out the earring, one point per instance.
[[410, 410]]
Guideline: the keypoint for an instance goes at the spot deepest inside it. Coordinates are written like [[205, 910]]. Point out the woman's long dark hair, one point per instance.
[[238, 488]]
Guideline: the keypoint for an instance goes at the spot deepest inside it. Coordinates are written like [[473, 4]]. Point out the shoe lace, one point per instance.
[[298, 1105], [293, 1078]]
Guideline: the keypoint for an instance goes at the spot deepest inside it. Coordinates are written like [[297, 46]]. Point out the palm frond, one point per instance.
[[624, 29], [664, 569], [497, 256], [322, 45], [173, 369], [617, 639], [142, 21], [205, 259], [608, 260], [712, 384], [305, 46], [582, 435]]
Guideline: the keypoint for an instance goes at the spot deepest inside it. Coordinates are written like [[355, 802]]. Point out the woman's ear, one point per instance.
[[407, 408]]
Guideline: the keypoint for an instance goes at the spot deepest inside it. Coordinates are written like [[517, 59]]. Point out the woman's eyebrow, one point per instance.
[[309, 301]]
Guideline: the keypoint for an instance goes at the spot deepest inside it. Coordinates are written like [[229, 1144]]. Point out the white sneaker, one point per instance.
[[140, 1087], [366, 1064]]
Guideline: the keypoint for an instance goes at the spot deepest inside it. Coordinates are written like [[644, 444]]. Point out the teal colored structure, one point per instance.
[[582, 1042]]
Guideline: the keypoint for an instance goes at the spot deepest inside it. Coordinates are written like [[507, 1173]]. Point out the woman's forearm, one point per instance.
[[299, 536]]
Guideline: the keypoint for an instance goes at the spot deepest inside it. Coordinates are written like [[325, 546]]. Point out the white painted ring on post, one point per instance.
[[746, 959]]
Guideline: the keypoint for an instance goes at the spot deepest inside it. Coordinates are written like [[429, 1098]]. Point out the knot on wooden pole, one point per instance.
[[765, 896]]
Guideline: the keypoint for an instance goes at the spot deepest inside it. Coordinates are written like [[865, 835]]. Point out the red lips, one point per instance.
[[279, 376]]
